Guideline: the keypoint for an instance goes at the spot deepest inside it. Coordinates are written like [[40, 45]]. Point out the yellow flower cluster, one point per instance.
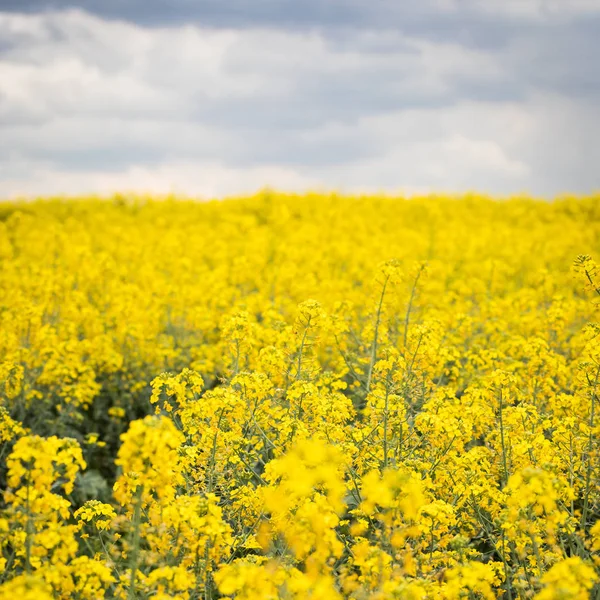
[[290, 397]]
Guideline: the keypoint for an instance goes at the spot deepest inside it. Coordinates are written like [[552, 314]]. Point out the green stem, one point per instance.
[[135, 542], [207, 576], [591, 281], [29, 531], [236, 366], [213, 455], [410, 303], [385, 428], [376, 335], [507, 575], [301, 351], [588, 475], [504, 477]]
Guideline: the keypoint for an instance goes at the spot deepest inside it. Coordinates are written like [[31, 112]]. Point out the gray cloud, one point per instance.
[[481, 23], [247, 13], [319, 100]]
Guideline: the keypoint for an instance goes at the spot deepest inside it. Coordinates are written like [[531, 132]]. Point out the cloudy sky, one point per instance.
[[217, 97]]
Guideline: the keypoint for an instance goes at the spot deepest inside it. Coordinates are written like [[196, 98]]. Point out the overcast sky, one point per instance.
[[216, 97]]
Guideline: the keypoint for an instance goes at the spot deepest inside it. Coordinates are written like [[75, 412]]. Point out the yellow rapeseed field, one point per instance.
[[290, 397]]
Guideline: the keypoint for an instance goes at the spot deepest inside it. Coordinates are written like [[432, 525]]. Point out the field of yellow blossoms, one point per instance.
[[290, 397]]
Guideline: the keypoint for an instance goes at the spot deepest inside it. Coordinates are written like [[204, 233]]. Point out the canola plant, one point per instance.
[[300, 396]]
